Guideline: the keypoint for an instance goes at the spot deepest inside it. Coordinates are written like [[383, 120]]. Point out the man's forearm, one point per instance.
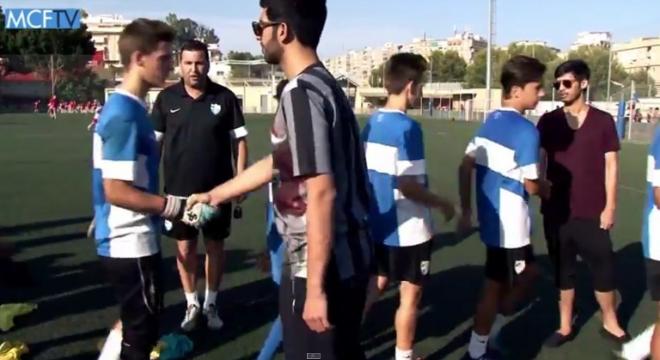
[[241, 159], [656, 196], [249, 180], [419, 194], [320, 232], [124, 195], [465, 186], [611, 179]]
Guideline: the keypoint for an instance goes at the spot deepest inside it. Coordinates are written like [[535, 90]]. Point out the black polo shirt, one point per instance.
[[197, 136]]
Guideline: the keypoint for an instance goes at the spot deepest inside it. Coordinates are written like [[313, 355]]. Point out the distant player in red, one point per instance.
[[52, 107], [95, 119], [36, 106]]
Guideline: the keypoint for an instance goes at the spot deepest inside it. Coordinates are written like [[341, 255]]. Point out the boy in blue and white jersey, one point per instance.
[[638, 348], [400, 219], [125, 186], [505, 155]]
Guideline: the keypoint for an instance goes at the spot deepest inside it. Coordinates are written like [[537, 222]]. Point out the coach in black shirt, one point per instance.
[[197, 122]]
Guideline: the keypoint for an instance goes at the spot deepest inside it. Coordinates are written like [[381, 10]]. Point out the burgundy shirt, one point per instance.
[[576, 163]]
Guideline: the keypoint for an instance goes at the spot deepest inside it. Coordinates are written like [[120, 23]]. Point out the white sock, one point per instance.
[[210, 297], [112, 346], [402, 354], [638, 348], [477, 347], [191, 298]]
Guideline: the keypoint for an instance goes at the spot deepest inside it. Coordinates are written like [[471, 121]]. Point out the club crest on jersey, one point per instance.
[[168, 225], [216, 108], [424, 267], [519, 266]]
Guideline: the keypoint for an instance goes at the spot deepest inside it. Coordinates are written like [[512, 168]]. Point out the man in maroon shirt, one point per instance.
[[579, 146]]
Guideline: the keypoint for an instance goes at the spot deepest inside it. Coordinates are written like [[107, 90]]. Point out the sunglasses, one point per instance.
[[258, 26], [565, 83]]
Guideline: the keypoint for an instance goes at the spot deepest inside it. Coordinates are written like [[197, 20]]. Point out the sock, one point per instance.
[[638, 348], [477, 347], [112, 346], [191, 298], [403, 354], [210, 297]]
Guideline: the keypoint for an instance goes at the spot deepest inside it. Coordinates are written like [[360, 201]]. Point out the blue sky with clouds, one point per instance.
[[353, 24]]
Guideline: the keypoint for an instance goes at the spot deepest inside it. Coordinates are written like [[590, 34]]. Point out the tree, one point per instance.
[[447, 66], [475, 75], [543, 53], [85, 86], [188, 29], [598, 60], [644, 84], [52, 53], [240, 55]]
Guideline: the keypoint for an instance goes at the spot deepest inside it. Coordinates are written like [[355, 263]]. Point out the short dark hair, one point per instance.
[[577, 67], [305, 18], [402, 68], [520, 70], [195, 45], [279, 89], [142, 35]]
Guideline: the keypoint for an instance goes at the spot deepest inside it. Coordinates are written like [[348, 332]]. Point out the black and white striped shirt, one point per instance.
[[315, 132]]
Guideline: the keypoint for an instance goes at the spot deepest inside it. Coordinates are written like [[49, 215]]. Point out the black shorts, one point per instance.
[[653, 278], [217, 229], [584, 237], [504, 266], [137, 284], [410, 263], [346, 300]]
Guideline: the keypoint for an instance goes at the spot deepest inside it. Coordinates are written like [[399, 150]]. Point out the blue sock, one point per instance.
[[272, 341]]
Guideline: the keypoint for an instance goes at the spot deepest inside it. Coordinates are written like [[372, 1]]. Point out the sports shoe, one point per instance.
[[189, 322], [213, 321]]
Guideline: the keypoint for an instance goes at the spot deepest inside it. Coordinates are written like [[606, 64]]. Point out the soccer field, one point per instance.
[[46, 206]]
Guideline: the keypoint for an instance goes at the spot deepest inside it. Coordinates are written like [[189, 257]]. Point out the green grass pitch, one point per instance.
[[46, 206]]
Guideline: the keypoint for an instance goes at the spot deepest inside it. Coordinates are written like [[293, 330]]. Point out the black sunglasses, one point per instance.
[[258, 26], [566, 83]]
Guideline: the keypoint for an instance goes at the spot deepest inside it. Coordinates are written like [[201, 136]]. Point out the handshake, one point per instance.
[[194, 210]]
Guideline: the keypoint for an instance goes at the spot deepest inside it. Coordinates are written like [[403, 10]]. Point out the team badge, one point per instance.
[[519, 266], [215, 109], [424, 267]]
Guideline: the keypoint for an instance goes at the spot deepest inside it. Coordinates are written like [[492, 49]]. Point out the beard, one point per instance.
[[272, 52], [570, 100]]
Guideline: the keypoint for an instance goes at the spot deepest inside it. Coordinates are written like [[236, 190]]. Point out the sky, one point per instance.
[[354, 24]]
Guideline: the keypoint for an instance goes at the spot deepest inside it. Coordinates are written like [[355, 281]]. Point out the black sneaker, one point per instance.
[[618, 340], [557, 339]]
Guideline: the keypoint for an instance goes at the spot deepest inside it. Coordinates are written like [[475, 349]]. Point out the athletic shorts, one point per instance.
[[409, 263], [345, 301], [584, 237], [217, 229], [504, 266], [137, 284]]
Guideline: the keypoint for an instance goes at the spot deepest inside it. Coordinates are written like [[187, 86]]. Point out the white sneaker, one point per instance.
[[213, 320], [189, 322]]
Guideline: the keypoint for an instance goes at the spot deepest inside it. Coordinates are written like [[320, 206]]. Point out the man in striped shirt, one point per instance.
[[321, 194]]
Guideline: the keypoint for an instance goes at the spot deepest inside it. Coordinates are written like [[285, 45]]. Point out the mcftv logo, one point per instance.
[[42, 18]]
